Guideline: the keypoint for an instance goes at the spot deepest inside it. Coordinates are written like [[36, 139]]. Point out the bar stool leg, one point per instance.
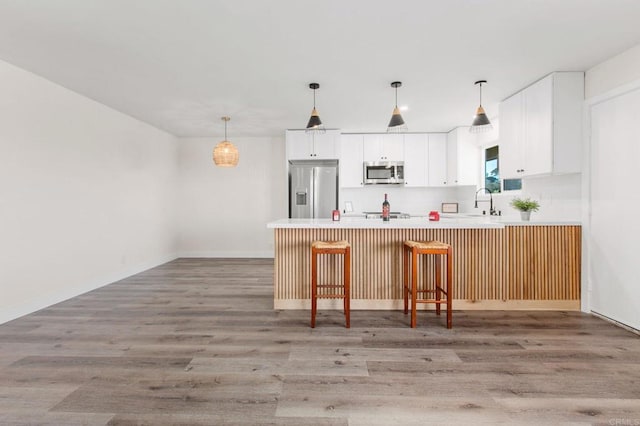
[[414, 286], [347, 287], [438, 282], [405, 279], [449, 285], [314, 286]]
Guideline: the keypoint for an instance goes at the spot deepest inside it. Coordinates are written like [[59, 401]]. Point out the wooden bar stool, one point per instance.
[[410, 254], [337, 291]]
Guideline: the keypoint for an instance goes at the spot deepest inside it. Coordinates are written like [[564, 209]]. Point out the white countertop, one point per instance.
[[447, 222]]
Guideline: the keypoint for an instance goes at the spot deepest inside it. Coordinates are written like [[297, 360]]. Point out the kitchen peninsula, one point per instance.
[[498, 264]]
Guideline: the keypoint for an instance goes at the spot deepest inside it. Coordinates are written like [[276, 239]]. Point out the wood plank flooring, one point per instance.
[[196, 342]]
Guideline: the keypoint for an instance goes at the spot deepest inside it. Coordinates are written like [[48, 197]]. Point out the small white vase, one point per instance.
[[525, 216]]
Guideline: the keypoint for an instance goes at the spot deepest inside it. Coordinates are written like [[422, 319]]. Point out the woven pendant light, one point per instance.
[[481, 122], [225, 154]]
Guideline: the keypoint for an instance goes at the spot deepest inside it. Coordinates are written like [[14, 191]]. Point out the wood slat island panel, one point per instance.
[[518, 267]]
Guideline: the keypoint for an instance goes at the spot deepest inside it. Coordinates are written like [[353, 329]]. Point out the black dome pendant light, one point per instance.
[[315, 124], [481, 122], [396, 124]]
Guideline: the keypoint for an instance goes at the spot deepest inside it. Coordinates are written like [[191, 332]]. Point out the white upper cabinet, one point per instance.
[[463, 157], [384, 147], [437, 154], [301, 145], [351, 160], [416, 155], [541, 127], [511, 137]]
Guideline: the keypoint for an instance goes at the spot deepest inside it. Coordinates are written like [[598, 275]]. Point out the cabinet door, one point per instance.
[[393, 147], [383, 147], [373, 147], [298, 145], [351, 159], [467, 158], [311, 146], [325, 146], [452, 157], [416, 153], [538, 126], [511, 137], [437, 166]]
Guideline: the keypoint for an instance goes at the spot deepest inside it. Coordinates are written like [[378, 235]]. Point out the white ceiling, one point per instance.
[[181, 65]]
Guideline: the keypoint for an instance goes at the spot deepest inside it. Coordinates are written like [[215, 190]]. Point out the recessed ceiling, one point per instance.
[[181, 65]]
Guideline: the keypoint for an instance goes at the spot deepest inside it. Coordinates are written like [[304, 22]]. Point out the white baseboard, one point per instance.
[[228, 254]]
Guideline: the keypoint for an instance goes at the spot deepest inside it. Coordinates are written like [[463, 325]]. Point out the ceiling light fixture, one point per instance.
[[481, 122], [396, 124], [225, 154], [315, 124]]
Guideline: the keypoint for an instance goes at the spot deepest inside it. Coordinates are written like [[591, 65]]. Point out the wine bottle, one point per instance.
[[386, 209]]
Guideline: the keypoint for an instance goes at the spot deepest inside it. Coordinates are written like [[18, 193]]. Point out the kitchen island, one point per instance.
[[498, 263]]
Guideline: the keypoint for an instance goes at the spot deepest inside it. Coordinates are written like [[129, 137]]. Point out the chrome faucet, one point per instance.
[[492, 212]]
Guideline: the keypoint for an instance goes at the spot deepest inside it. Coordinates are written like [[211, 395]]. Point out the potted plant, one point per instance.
[[526, 206]]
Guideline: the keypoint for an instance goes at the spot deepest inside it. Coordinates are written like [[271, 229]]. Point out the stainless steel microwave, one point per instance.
[[383, 172]]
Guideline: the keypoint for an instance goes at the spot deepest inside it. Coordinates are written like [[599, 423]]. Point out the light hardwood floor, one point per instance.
[[196, 342]]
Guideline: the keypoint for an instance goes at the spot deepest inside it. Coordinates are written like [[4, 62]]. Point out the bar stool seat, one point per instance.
[[335, 290], [411, 251]]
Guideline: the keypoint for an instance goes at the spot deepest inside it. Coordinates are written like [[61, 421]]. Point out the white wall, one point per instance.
[[610, 270], [223, 212], [612, 73], [86, 194]]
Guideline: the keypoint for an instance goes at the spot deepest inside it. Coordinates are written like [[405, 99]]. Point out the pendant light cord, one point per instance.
[[396, 96], [225, 119], [480, 94]]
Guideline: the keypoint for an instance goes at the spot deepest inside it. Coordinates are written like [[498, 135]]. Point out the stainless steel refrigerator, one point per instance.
[[313, 188]]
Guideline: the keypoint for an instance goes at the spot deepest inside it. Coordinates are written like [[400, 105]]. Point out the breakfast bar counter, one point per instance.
[[499, 263]]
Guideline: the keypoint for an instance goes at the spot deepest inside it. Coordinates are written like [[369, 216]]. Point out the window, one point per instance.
[[492, 169], [492, 173], [512, 184]]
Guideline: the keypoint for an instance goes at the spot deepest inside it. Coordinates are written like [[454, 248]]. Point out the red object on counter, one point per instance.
[[434, 215], [336, 215]]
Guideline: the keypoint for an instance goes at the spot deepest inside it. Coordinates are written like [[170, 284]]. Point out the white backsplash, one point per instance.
[[559, 198], [415, 201]]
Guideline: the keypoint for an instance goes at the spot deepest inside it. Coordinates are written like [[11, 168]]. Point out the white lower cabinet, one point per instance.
[[351, 161]]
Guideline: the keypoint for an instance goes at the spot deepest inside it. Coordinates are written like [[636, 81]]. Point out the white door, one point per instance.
[[614, 228]]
